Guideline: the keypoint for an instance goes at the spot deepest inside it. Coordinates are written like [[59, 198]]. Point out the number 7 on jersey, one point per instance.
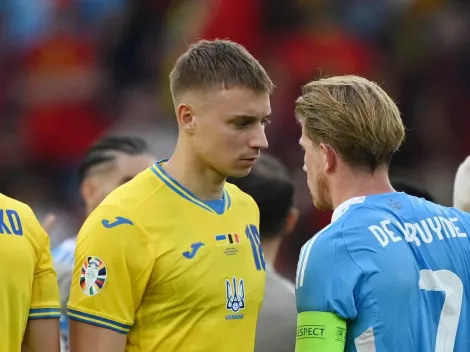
[[451, 285]]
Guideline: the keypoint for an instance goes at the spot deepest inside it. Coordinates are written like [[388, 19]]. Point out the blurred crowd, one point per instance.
[[74, 70]]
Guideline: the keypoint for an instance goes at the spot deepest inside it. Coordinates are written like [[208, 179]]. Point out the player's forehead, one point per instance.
[[243, 101]]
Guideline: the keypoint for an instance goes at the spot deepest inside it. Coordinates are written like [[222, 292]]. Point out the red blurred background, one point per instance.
[[74, 70]]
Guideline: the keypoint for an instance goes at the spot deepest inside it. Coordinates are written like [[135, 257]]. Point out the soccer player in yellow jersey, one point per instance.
[[171, 261], [29, 296]]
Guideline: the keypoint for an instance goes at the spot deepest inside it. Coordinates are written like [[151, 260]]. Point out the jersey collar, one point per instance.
[[178, 188], [343, 207]]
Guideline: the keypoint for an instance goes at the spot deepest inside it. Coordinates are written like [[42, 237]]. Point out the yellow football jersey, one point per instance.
[[28, 284], [171, 271]]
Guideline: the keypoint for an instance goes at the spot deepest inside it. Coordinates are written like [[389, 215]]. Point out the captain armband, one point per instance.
[[320, 331]]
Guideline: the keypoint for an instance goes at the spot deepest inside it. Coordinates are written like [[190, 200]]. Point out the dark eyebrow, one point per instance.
[[249, 117]]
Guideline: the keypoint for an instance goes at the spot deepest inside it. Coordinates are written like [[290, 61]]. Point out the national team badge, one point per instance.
[[235, 295], [93, 276]]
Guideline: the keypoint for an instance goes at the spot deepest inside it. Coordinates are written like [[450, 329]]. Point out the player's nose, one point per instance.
[[259, 140]]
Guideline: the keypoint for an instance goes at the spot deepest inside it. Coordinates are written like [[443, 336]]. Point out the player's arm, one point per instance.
[[42, 329], [41, 335], [113, 262], [326, 278]]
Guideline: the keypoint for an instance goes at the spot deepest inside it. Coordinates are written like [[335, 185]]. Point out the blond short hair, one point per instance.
[[354, 116], [220, 64], [462, 186]]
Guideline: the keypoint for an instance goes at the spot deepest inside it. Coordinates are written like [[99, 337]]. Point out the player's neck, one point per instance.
[[202, 181], [358, 184]]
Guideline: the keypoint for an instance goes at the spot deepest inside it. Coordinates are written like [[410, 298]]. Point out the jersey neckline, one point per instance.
[[182, 191], [343, 207]]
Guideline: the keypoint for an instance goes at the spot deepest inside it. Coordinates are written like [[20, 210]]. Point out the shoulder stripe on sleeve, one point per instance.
[[300, 262], [304, 254], [98, 321], [44, 313]]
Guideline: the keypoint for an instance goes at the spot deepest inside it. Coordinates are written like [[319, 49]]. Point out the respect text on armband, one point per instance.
[[320, 332]]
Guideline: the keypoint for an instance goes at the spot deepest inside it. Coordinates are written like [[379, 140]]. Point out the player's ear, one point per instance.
[[329, 157], [185, 117], [291, 221]]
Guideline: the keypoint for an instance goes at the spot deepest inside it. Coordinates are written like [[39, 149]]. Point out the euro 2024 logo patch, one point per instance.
[[93, 276]]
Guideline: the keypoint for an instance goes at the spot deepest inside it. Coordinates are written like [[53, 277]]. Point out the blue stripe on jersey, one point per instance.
[[176, 187], [43, 310], [44, 313], [98, 321]]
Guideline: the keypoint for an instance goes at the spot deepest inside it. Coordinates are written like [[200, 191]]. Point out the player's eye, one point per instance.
[[242, 123], [265, 121]]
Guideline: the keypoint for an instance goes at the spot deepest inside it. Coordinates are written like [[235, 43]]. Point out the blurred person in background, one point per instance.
[[273, 190], [412, 190], [29, 297], [461, 194], [384, 251], [109, 163], [172, 260]]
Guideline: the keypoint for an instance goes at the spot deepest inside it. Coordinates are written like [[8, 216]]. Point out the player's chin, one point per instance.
[[318, 203], [319, 206], [239, 171], [321, 203]]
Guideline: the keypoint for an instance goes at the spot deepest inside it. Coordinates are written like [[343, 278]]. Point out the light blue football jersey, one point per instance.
[[397, 269], [64, 252]]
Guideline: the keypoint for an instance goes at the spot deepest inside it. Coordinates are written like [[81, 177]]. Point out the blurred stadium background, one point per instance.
[[74, 70]]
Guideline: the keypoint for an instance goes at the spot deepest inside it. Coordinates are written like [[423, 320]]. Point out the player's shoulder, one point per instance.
[[359, 211], [129, 208], [320, 258], [19, 219], [131, 195], [238, 197], [325, 241], [348, 223], [14, 205], [446, 211]]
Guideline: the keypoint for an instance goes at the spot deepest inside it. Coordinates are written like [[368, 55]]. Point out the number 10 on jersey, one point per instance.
[[253, 235]]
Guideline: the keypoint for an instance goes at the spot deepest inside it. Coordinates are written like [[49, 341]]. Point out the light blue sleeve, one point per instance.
[[63, 256], [327, 277], [64, 252]]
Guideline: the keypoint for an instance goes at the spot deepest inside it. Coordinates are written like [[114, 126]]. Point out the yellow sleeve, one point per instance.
[[45, 294], [113, 262]]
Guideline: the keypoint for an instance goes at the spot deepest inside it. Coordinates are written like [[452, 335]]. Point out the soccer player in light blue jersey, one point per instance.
[[392, 271]]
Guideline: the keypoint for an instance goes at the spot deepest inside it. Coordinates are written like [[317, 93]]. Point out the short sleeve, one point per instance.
[[45, 292], [113, 264], [327, 276]]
